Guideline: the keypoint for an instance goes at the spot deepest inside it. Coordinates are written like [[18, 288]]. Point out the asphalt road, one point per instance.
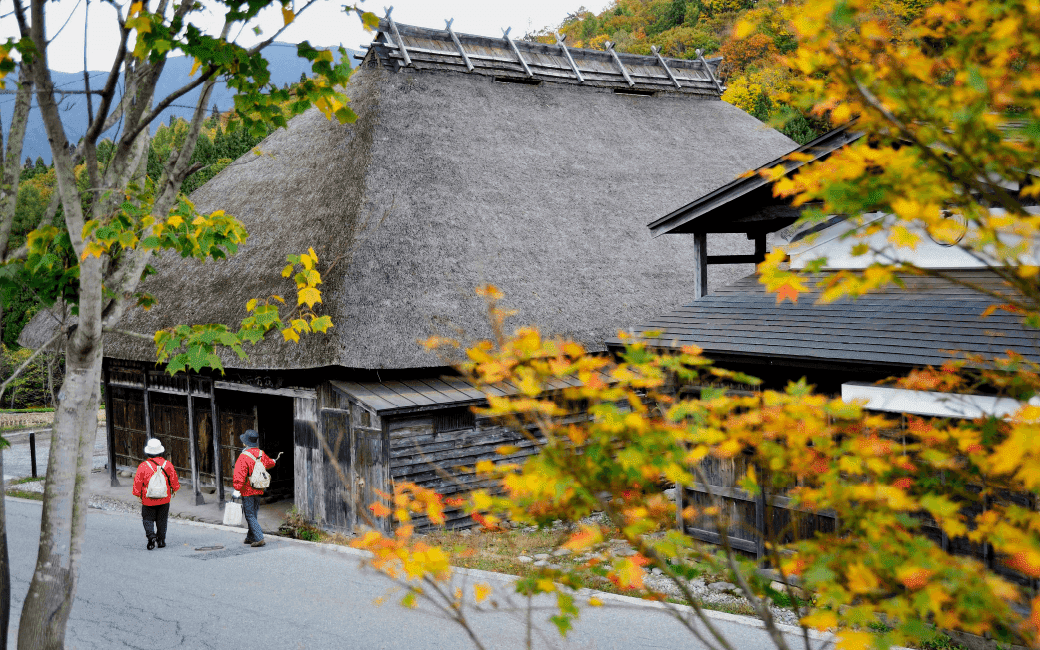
[[287, 595], [17, 457]]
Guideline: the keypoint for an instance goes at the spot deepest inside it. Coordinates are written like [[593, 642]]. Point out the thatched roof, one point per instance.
[[451, 180]]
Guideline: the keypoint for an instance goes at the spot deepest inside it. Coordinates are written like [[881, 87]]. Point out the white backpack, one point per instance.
[[259, 478], [157, 485]]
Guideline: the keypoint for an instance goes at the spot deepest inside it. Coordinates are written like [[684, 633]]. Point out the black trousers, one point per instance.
[[155, 518]]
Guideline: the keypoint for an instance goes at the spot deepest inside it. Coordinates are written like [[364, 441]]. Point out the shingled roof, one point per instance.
[[449, 180], [914, 327]]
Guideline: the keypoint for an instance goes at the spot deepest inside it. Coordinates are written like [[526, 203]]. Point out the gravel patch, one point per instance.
[[719, 595]]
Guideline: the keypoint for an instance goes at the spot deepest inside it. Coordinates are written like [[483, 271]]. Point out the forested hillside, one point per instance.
[[220, 143], [284, 65], [752, 69]]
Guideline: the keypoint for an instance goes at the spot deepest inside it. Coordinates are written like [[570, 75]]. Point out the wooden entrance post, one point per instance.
[[218, 465], [193, 443], [110, 432], [147, 406]]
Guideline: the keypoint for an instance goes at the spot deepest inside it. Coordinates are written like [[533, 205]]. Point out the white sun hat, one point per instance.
[[154, 447]]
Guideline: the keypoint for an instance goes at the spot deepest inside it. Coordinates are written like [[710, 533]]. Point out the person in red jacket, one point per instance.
[[155, 511], [250, 495]]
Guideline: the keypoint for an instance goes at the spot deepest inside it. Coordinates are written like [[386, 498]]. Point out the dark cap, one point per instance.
[[250, 438]]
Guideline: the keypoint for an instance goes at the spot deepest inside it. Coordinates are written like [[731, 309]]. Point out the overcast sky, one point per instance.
[[324, 24]]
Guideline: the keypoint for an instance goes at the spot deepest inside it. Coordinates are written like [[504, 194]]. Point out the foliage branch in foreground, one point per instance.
[[948, 100], [949, 104], [891, 489]]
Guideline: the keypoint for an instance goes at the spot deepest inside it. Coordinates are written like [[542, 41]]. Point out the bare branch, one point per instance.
[[136, 335], [98, 125], [12, 157], [761, 608]]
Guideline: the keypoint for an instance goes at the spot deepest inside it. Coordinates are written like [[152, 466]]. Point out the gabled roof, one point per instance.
[[405, 47], [747, 204], [893, 327], [448, 181]]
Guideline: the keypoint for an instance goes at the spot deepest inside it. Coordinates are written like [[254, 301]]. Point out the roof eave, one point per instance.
[[679, 220]]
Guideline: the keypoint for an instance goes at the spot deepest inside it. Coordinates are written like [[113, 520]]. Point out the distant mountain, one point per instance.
[[284, 64]]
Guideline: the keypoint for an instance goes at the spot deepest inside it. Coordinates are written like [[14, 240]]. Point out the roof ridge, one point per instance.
[[398, 47]]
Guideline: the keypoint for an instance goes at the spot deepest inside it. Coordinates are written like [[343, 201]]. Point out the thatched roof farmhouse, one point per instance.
[[474, 160]]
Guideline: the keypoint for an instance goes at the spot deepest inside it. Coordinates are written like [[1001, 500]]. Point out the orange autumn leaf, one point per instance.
[[379, 510], [913, 578], [786, 292]]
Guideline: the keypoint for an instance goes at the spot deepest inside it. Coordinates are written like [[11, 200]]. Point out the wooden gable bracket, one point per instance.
[[707, 69], [567, 53], [664, 64], [458, 44], [397, 35], [516, 51], [620, 65]]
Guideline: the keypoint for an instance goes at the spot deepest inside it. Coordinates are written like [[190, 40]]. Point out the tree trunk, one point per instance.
[[45, 613], [5, 568]]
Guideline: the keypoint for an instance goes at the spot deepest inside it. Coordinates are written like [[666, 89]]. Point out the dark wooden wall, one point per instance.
[[750, 519], [127, 418], [167, 415], [422, 453]]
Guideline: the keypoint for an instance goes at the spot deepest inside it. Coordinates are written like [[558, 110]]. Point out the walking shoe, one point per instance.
[[260, 543], [248, 540], [162, 543], [151, 543]]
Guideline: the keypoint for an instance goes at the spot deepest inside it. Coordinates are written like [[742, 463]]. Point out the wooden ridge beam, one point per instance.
[[707, 68], [458, 44], [664, 64], [397, 35], [620, 65], [394, 52], [516, 51], [567, 53]]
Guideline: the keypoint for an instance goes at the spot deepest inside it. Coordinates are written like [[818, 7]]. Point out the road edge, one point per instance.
[[606, 596]]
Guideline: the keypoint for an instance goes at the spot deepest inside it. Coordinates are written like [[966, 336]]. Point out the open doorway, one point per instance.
[[272, 417]]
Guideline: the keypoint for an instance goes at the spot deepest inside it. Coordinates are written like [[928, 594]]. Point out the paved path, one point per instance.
[[287, 595], [17, 457]]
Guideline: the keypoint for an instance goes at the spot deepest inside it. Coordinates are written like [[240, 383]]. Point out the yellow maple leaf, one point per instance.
[[861, 579], [849, 640], [481, 591], [903, 237], [820, 620], [309, 296]]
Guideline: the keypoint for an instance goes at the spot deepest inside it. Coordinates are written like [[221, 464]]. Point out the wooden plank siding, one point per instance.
[[308, 461], [443, 461]]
